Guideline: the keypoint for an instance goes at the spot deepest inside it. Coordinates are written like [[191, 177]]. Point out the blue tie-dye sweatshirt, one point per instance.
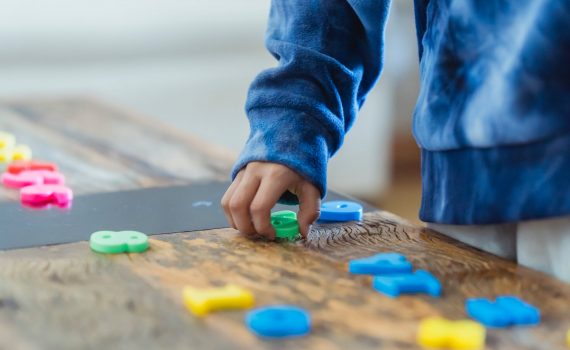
[[492, 117]]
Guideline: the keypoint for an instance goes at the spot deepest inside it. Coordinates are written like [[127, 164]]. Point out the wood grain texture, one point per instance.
[[102, 148], [67, 297]]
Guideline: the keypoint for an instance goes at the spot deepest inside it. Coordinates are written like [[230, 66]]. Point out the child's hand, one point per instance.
[[255, 191]]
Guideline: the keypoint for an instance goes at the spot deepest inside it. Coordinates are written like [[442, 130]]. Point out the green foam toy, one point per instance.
[[115, 242], [285, 224]]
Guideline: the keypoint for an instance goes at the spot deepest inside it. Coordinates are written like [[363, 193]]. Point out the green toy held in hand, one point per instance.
[[285, 224], [115, 242]]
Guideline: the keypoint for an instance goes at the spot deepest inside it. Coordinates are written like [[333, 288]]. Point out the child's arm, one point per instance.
[[330, 55]]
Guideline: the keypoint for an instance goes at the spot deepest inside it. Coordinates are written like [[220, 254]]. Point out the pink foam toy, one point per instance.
[[59, 195], [32, 177], [48, 206]]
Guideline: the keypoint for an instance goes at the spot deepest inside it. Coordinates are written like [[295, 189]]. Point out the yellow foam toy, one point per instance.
[[568, 338], [203, 301], [7, 140], [5, 155], [22, 152], [9, 151], [439, 332]]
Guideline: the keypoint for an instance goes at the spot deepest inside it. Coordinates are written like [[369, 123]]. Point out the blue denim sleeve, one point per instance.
[[329, 56]]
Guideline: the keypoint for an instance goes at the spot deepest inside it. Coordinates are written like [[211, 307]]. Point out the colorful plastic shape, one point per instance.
[[116, 242], [505, 311], [25, 165], [284, 214], [203, 301], [7, 143], [439, 332], [341, 211], [21, 180], [5, 155], [7, 140], [279, 321], [46, 194], [414, 283], [285, 224], [32, 177], [47, 206], [21, 152], [381, 264]]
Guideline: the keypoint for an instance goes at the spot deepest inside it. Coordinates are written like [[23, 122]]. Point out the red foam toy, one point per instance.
[[24, 165], [59, 195], [32, 177]]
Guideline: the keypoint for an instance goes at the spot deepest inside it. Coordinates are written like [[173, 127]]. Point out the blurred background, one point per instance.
[[189, 62]]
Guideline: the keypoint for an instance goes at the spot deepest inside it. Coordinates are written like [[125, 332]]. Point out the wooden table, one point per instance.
[[66, 297]]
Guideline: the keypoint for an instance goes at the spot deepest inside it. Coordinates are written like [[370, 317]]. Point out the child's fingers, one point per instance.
[[241, 201], [267, 196], [225, 202], [309, 207]]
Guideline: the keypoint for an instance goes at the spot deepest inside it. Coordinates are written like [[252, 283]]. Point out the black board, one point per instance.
[[151, 210]]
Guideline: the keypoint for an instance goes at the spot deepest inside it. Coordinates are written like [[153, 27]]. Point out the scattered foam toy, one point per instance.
[[439, 332], [568, 338], [285, 224], [46, 206], [279, 321], [5, 155], [7, 140], [505, 311], [32, 177], [381, 264], [116, 242], [203, 301], [21, 152], [26, 165], [46, 194], [21, 180], [414, 283], [341, 211]]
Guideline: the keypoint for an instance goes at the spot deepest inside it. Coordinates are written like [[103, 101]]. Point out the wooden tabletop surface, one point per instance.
[[67, 297]]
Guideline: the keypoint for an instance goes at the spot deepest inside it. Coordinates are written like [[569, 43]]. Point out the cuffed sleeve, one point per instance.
[[329, 56], [290, 138]]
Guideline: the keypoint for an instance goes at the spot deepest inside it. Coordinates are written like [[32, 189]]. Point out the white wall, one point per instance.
[[185, 62]]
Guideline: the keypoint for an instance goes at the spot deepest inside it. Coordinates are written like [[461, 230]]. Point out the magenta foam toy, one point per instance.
[[32, 177], [46, 194]]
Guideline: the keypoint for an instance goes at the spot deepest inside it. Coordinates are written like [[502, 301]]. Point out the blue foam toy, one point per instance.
[[505, 311], [381, 264], [412, 283], [340, 211], [279, 321]]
